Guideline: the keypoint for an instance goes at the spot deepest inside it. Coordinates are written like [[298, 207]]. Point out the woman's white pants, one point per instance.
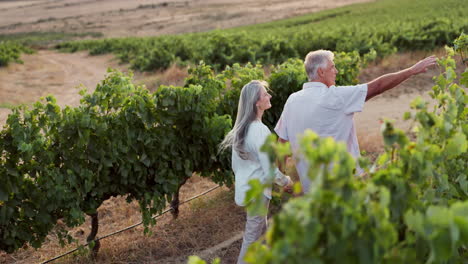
[[255, 227]]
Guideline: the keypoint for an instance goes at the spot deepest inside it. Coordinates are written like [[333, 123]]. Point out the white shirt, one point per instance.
[[328, 111], [257, 166]]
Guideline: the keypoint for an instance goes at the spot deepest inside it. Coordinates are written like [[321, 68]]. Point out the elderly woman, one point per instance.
[[248, 162]]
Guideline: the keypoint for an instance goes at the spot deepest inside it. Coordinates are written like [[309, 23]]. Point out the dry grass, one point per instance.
[[399, 61], [371, 145], [174, 75], [122, 18]]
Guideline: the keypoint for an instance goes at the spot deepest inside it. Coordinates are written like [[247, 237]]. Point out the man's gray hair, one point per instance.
[[315, 60]]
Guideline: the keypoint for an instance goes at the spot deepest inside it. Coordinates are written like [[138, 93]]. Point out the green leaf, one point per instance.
[[3, 194], [407, 115], [415, 221], [254, 198], [456, 145], [145, 160], [195, 260]]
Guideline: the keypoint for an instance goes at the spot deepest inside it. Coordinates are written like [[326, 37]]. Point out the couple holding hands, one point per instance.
[[321, 106]]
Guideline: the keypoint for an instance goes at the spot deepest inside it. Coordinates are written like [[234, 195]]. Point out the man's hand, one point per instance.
[[422, 65], [388, 81]]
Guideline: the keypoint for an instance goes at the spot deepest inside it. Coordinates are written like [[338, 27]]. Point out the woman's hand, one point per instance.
[[289, 187]]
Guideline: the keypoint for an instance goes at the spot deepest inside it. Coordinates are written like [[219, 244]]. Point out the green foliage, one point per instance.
[[13, 45], [442, 231], [11, 52], [121, 140], [384, 26], [197, 260], [461, 46], [154, 58], [124, 140], [7, 105], [42, 39]]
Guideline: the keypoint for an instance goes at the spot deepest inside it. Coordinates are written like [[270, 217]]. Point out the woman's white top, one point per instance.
[[257, 166]]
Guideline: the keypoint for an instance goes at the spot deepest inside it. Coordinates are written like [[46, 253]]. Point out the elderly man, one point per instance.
[[327, 109]]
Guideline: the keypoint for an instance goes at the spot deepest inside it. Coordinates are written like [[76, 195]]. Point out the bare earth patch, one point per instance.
[[120, 18], [51, 73], [63, 75]]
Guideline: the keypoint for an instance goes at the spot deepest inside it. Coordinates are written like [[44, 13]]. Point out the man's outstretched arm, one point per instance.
[[388, 81]]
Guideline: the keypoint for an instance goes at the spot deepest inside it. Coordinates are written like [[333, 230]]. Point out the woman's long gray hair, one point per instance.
[[246, 114]]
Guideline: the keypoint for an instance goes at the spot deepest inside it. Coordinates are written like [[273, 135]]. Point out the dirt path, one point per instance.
[[49, 72]]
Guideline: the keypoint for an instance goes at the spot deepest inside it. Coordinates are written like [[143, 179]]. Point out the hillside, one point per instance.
[[148, 17]]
